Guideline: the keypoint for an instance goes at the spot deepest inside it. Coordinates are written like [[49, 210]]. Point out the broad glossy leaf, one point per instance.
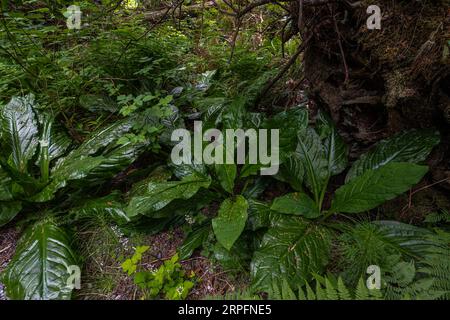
[[230, 221], [74, 170], [39, 268], [238, 258], [292, 171], [289, 123], [297, 204], [19, 130], [151, 226], [60, 142], [108, 206], [249, 169], [159, 174], [160, 194], [53, 138], [312, 156], [292, 249], [256, 187], [412, 238], [186, 207], [24, 183], [234, 115], [412, 146], [259, 215], [374, 187], [8, 211], [183, 170], [226, 173], [334, 146], [115, 161], [5, 186], [193, 241], [100, 139]]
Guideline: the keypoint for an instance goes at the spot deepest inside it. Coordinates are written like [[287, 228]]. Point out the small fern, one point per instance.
[[435, 265], [438, 217], [363, 245], [244, 294], [326, 288]]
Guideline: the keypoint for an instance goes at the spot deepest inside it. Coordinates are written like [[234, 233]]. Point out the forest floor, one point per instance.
[[105, 279], [8, 241], [101, 244]]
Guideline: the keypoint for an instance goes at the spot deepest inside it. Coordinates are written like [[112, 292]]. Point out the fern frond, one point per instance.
[[442, 216], [328, 288], [245, 294], [344, 294]]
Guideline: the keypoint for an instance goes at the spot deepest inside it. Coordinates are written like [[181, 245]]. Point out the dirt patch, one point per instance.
[[8, 241], [105, 280]]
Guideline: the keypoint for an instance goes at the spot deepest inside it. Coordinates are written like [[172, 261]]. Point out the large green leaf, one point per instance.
[[194, 240], [5, 186], [226, 173], [311, 153], [334, 146], [99, 140], [159, 174], [412, 146], [259, 215], [375, 187], [289, 123], [24, 183], [19, 130], [412, 238], [297, 204], [292, 171], [256, 187], [44, 158], [97, 159], [74, 170], [249, 169], [115, 161], [8, 210], [108, 206], [59, 143], [39, 268], [234, 115], [230, 221], [183, 170], [53, 143], [160, 194], [52, 136], [292, 249], [238, 258]]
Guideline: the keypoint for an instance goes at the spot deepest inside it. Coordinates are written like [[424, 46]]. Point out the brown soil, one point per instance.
[[8, 241], [105, 279]]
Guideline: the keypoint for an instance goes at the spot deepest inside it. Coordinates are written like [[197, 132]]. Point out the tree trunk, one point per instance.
[[378, 82]]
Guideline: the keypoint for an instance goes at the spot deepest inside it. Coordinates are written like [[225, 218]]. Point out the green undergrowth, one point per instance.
[[86, 118]]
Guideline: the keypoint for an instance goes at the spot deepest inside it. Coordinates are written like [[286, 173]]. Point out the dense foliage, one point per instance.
[[86, 119]]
